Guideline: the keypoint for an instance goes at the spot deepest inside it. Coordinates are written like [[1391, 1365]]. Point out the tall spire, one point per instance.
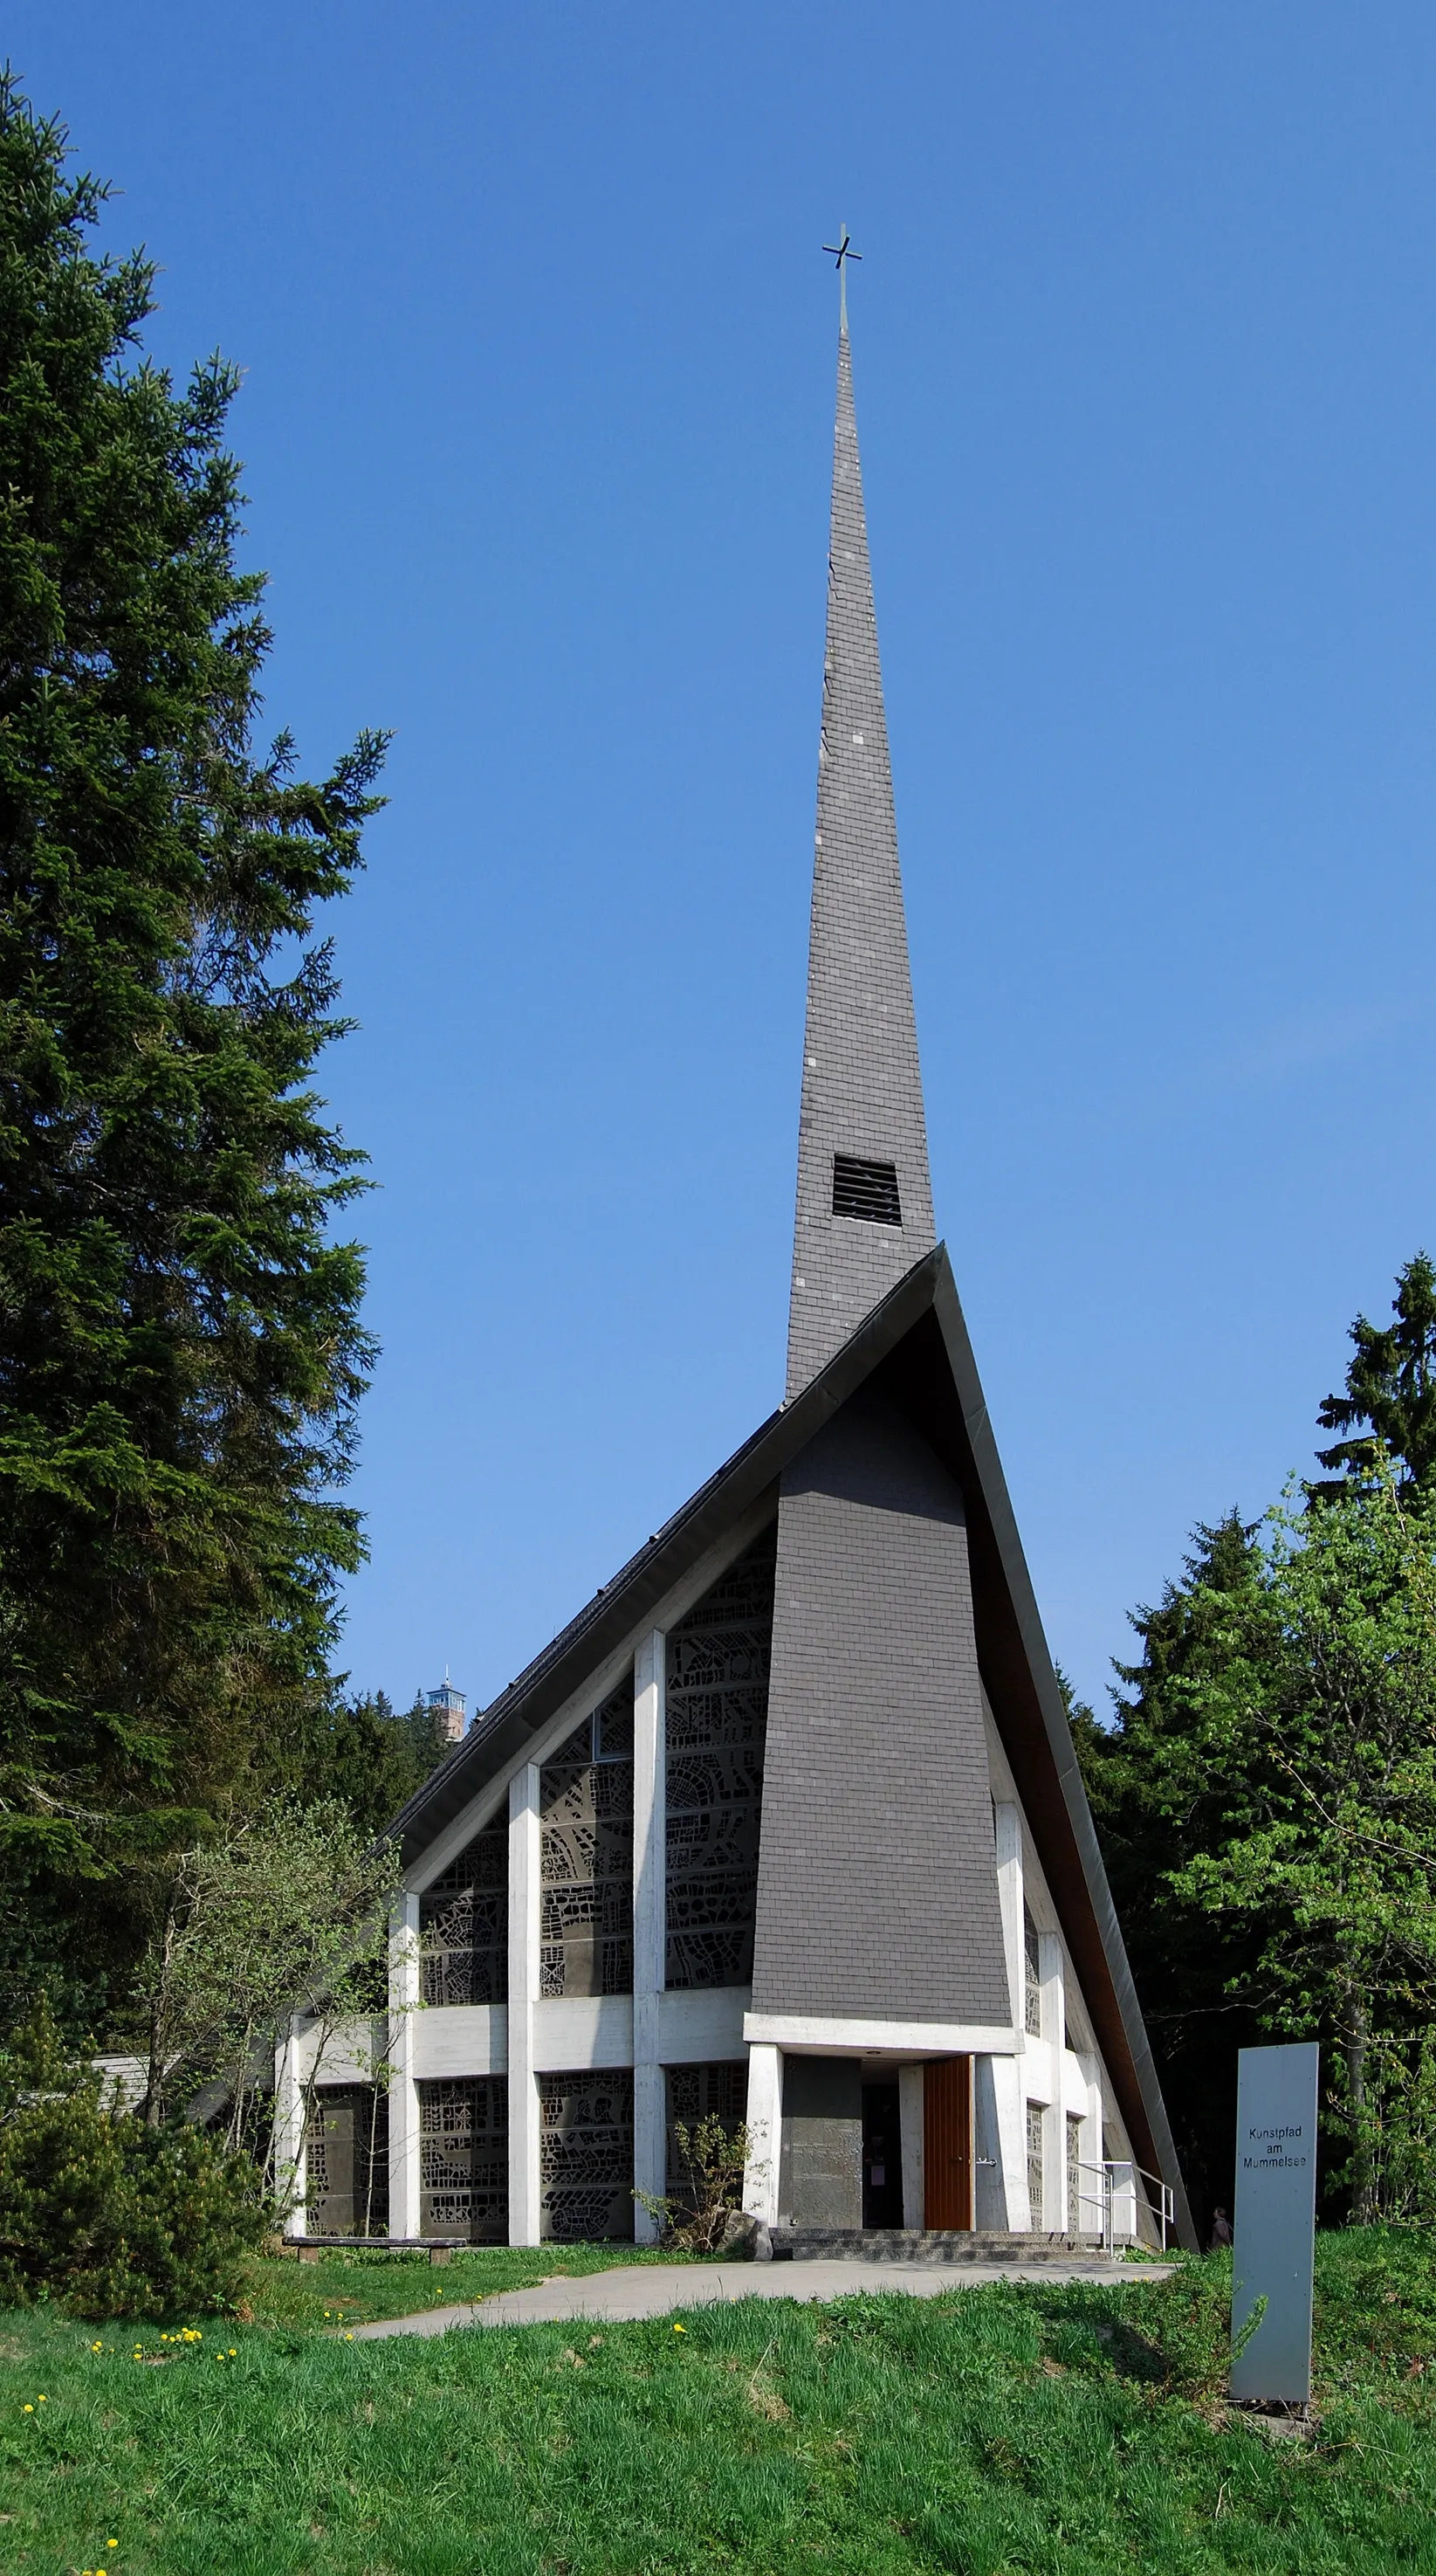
[[864, 1212]]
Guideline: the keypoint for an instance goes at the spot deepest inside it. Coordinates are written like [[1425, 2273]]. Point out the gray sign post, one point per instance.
[[1274, 2220]]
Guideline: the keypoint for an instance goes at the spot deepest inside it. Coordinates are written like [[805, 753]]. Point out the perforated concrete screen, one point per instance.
[[464, 2158], [347, 2161], [586, 1824], [464, 1925], [717, 1720], [586, 2155], [698, 2093], [1031, 1976], [1036, 2160]]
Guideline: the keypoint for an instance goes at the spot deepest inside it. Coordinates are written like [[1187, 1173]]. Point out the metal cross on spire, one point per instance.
[[840, 252]]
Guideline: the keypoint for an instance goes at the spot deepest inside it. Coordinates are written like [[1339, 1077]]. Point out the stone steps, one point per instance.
[[927, 2245]]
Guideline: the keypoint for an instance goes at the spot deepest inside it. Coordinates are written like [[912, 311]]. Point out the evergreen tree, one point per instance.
[[428, 1741], [1158, 1800], [358, 1751], [180, 1341], [372, 1756], [1390, 1384]]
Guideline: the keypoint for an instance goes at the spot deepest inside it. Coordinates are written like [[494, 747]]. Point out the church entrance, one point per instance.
[[882, 2156], [947, 2142]]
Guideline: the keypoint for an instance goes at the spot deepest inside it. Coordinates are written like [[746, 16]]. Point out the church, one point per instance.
[[786, 1825]]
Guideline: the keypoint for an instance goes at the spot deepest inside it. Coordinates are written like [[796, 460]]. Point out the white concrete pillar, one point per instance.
[[525, 1897], [650, 1926], [1052, 1972], [1054, 2164], [1092, 2147], [765, 2132], [1054, 2180], [290, 2177], [912, 2109], [403, 2092], [1086, 2218], [1009, 2107], [989, 2188], [1009, 1898]]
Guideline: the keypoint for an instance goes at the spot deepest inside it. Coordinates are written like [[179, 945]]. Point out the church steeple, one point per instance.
[[864, 1208]]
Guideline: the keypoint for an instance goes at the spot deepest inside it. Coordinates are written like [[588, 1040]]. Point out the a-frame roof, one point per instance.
[[917, 1340]]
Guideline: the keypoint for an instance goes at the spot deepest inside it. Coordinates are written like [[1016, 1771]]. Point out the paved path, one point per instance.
[[652, 2289]]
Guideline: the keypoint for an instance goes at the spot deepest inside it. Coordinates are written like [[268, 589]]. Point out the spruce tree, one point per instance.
[[181, 1349], [371, 1756], [1390, 1384]]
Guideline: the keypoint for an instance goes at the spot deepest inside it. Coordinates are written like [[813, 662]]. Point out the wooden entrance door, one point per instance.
[[947, 2142]]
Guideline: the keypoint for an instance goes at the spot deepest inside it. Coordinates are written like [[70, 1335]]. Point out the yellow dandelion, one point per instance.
[[232, 2353], [27, 2410], [42, 2399]]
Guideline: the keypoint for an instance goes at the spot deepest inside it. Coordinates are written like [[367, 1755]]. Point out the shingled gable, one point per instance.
[[503, 1733], [914, 1346]]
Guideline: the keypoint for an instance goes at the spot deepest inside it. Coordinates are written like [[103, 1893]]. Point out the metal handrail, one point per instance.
[[1163, 2211]]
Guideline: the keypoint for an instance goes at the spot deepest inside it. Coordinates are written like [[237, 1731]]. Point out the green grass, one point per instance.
[[986, 2431]]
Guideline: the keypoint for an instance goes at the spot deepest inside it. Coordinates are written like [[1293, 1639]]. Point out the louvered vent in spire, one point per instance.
[[867, 1191]]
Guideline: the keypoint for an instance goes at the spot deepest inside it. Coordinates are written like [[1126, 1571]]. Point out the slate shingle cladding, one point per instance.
[[862, 1091], [877, 1884]]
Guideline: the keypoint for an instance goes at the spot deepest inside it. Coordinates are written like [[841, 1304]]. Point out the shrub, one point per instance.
[[104, 2215], [713, 2158]]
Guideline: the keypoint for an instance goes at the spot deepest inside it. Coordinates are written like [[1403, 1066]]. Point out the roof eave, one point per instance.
[[616, 1612], [1147, 2112]]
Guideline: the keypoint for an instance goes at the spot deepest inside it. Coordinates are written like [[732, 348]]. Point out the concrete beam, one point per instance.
[[765, 2132], [290, 2178], [650, 1927], [525, 1872], [1008, 1827], [403, 2091]]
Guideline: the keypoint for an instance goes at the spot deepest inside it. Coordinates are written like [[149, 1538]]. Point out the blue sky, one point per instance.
[[539, 352]]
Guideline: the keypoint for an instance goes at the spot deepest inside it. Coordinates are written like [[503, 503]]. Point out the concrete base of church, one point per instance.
[[542, 2113], [839, 2141], [926, 2245]]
